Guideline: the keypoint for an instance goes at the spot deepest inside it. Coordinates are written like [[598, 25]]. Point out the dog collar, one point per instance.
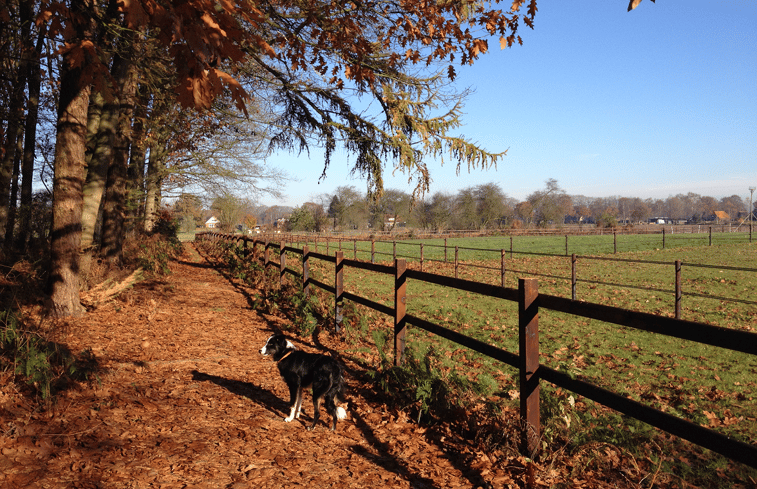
[[288, 353]]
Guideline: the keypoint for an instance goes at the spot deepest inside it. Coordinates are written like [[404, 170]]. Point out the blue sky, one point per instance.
[[650, 103]]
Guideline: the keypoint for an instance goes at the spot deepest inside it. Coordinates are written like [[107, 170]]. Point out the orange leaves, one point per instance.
[[413, 55], [634, 3], [78, 54], [201, 89], [134, 13], [479, 46], [506, 42], [728, 418], [264, 46]]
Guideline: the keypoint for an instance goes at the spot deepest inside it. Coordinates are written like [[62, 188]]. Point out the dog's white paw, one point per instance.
[[290, 418]]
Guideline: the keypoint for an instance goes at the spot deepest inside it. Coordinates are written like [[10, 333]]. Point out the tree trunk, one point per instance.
[[152, 185], [97, 159], [104, 117], [34, 79], [68, 180], [15, 121], [11, 223], [114, 210], [137, 160]]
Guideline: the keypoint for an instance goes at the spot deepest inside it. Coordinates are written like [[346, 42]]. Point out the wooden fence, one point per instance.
[[451, 256], [397, 233], [531, 372]]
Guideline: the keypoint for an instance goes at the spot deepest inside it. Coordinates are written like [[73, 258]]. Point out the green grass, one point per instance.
[[189, 236], [490, 248]]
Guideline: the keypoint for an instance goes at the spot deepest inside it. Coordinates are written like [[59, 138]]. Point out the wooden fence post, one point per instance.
[[305, 271], [679, 294], [282, 262], [265, 255], [400, 306], [338, 289], [421, 257], [615, 242], [566, 245], [373, 251], [710, 235], [511, 247], [502, 268], [394, 250], [456, 264], [663, 237], [354, 249], [445, 250], [528, 340], [573, 276]]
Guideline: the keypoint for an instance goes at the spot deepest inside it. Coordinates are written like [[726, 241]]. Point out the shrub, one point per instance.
[[44, 365]]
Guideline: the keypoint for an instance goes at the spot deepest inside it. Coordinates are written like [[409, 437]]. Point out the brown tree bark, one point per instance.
[[114, 209], [105, 116], [10, 150], [34, 80], [138, 159], [70, 149], [11, 221], [155, 172]]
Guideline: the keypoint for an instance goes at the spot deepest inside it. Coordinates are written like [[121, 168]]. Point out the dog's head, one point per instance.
[[276, 344]]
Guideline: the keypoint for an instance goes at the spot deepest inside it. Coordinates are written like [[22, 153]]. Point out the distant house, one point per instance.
[[212, 222], [722, 216]]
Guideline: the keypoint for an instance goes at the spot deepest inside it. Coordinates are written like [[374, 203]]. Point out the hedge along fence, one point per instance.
[[531, 372], [452, 256]]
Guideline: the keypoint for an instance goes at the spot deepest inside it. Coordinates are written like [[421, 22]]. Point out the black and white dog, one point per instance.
[[301, 370]]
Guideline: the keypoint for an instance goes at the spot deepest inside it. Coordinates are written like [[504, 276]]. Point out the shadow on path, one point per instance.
[[260, 396]]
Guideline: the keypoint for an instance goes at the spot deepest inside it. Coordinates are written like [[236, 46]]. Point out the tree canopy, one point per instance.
[[154, 95], [312, 60]]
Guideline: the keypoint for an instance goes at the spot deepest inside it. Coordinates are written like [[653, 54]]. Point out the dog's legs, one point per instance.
[[295, 399], [320, 388], [331, 409], [298, 409], [316, 410]]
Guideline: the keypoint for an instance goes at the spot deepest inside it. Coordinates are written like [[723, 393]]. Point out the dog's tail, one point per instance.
[[341, 413]]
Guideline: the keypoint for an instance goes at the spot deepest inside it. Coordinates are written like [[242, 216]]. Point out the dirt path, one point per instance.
[[186, 400]]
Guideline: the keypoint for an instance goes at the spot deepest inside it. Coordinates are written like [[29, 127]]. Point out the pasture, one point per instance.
[[707, 385]]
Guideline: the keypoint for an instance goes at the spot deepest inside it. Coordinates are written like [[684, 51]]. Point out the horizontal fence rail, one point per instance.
[[527, 360]]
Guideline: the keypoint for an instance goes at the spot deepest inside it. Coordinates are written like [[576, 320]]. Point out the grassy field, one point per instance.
[[490, 248], [707, 385], [639, 280], [186, 236]]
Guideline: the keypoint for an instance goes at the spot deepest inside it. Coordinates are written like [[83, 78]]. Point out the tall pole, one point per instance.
[[751, 209]]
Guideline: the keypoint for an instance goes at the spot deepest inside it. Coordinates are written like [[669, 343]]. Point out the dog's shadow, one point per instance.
[[257, 394]]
